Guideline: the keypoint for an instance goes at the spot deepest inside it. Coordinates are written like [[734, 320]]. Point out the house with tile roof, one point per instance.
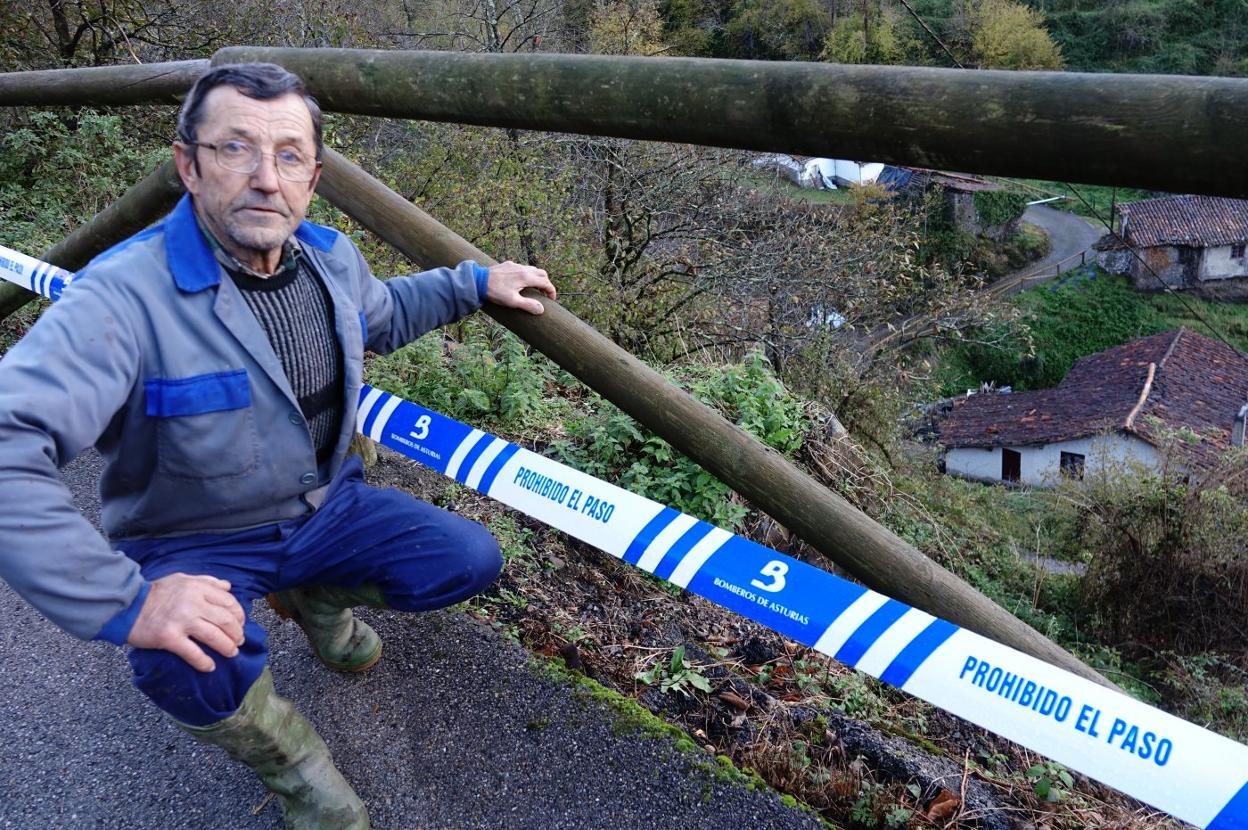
[[1182, 242], [1111, 412], [958, 190]]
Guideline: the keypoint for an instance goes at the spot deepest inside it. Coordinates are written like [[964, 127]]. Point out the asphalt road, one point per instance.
[[1068, 234], [452, 729]]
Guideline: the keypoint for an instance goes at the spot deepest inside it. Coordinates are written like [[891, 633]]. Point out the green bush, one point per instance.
[[59, 167], [1169, 555], [489, 378], [998, 207], [608, 444], [1152, 36], [1029, 244], [1207, 688]]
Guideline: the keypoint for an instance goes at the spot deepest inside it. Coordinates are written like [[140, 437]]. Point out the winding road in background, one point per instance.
[[1070, 240], [1069, 236]]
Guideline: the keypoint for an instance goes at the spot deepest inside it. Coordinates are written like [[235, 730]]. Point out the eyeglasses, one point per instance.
[[242, 157]]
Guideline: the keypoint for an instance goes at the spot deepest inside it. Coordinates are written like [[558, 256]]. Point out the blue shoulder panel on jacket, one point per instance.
[[123, 244], [196, 395], [318, 236], [191, 262]]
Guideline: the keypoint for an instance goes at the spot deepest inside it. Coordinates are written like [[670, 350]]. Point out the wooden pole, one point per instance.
[[1080, 127], [138, 207], [100, 86], [844, 534]]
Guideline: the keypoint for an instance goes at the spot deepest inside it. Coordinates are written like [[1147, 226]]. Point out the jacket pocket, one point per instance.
[[205, 425]]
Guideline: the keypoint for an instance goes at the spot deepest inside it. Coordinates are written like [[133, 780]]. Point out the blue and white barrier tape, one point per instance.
[[1190, 772], [33, 274]]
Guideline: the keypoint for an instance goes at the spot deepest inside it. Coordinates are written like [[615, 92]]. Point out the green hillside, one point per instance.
[[1087, 311], [1186, 37], [1194, 37]]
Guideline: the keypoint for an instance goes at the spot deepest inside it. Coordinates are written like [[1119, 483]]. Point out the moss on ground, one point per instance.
[[628, 717]]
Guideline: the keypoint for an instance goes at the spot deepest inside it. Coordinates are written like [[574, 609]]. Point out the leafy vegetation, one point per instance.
[[1051, 780], [1086, 311], [489, 378], [608, 444], [676, 675], [1165, 535], [1002, 34], [1163, 36], [492, 379], [1153, 36], [999, 207], [58, 167]]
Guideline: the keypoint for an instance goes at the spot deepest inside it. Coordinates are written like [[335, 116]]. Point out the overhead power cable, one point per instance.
[[1166, 287], [1109, 226], [933, 35]]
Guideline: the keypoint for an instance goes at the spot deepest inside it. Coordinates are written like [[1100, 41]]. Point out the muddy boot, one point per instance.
[[342, 642], [280, 745]]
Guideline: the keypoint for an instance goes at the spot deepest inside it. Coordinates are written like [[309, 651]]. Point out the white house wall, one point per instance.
[[1217, 264], [1041, 464]]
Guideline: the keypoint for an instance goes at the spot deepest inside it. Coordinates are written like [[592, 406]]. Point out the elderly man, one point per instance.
[[215, 361]]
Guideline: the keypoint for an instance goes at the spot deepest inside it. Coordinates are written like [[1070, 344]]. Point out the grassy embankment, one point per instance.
[[1086, 311]]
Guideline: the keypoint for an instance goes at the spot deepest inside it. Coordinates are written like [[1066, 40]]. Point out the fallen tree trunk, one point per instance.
[[1081, 127], [140, 206], [100, 86], [844, 534]]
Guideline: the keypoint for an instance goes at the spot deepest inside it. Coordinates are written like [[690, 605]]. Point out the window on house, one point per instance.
[[1011, 465], [1072, 465], [1237, 251]]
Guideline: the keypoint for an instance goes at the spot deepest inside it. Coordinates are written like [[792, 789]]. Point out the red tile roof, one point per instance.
[[953, 181], [1197, 221], [1197, 383]]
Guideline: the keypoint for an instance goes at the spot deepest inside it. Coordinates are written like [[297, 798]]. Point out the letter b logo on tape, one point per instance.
[[775, 569]]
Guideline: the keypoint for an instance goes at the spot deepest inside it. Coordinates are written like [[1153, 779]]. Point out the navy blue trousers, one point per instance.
[[421, 556]]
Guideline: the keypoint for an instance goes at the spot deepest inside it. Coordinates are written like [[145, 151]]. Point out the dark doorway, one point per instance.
[[1011, 465]]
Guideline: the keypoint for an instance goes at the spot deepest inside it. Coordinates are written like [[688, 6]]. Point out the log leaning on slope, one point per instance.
[[866, 549], [140, 206], [1081, 127], [100, 86]]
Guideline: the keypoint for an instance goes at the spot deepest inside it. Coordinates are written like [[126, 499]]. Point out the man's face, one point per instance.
[[250, 214]]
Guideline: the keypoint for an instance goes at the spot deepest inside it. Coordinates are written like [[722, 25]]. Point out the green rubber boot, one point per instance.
[[342, 642], [281, 746]]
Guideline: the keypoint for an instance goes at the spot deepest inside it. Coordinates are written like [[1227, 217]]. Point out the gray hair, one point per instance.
[[261, 81]]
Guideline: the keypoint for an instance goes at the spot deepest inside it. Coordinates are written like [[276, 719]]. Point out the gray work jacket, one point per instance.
[[153, 356]]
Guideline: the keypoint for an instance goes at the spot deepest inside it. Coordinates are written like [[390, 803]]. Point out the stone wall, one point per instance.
[[1208, 272], [1116, 262], [1165, 266]]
